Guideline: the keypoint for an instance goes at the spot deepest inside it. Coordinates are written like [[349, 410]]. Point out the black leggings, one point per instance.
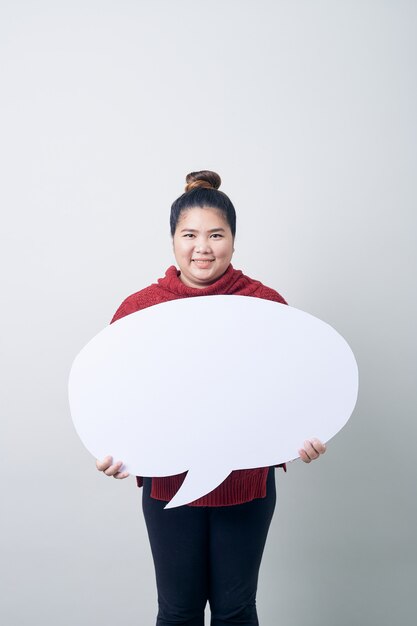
[[208, 554]]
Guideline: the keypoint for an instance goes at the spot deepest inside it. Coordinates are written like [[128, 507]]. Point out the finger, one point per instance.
[[113, 469], [121, 475], [318, 445], [304, 456], [311, 451], [104, 464]]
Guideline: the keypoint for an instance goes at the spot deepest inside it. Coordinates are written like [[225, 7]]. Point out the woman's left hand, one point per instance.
[[313, 448]]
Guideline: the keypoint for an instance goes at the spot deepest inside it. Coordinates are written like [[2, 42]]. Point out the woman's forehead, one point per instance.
[[202, 216]]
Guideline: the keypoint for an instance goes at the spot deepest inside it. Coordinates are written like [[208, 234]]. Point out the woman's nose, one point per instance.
[[202, 246]]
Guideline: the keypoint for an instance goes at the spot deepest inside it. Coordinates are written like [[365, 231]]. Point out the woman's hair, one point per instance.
[[202, 190]]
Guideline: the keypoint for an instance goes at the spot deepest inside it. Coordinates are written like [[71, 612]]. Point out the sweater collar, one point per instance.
[[231, 282]]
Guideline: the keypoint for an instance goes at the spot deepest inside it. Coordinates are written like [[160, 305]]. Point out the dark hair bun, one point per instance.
[[205, 179], [202, 190]]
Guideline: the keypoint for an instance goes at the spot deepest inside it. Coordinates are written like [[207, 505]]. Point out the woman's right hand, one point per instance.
[[111, 469]]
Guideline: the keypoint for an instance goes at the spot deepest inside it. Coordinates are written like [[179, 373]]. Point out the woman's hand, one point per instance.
[[111, 469], [312, 450]]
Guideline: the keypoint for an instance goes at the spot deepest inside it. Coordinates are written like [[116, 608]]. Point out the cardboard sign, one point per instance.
[[211, 384]]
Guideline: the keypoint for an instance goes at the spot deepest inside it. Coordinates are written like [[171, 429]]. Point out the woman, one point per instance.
[[209, 550]]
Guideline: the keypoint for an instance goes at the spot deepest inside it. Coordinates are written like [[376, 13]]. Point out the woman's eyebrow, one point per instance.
[[193, 230]]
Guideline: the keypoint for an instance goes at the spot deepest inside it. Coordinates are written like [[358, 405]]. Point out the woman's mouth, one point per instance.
[[202, 263]]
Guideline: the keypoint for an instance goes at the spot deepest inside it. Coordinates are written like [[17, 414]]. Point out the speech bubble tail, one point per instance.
[[198, 483]]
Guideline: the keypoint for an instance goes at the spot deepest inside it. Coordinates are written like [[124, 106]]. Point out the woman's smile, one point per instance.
[[203, 263]]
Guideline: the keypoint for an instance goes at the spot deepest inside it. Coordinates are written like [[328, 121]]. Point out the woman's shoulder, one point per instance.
[[135, 302], [257, 289], [270, 294], [142, 299]]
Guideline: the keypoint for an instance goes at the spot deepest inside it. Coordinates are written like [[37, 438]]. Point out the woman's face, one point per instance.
[[203, 246]]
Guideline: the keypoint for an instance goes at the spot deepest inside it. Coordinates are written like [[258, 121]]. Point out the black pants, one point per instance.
[[208, 554]]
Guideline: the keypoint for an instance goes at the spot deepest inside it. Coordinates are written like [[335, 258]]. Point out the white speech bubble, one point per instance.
[[211, 384]]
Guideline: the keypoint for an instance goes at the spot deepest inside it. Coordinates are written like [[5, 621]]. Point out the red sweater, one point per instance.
[[241, 485]]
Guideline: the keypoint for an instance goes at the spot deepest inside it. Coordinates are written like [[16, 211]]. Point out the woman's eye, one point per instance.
[[217, 235], [189, 235]]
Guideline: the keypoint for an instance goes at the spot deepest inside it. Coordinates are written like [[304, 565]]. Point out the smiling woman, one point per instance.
[[209, 550]]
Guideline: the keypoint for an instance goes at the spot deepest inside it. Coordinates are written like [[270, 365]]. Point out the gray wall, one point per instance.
[[307, 110]]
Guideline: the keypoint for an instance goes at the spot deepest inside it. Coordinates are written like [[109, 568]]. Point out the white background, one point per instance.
[[307, 111]]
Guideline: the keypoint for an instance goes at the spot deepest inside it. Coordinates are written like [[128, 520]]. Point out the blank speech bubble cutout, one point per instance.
[[211, 384]]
